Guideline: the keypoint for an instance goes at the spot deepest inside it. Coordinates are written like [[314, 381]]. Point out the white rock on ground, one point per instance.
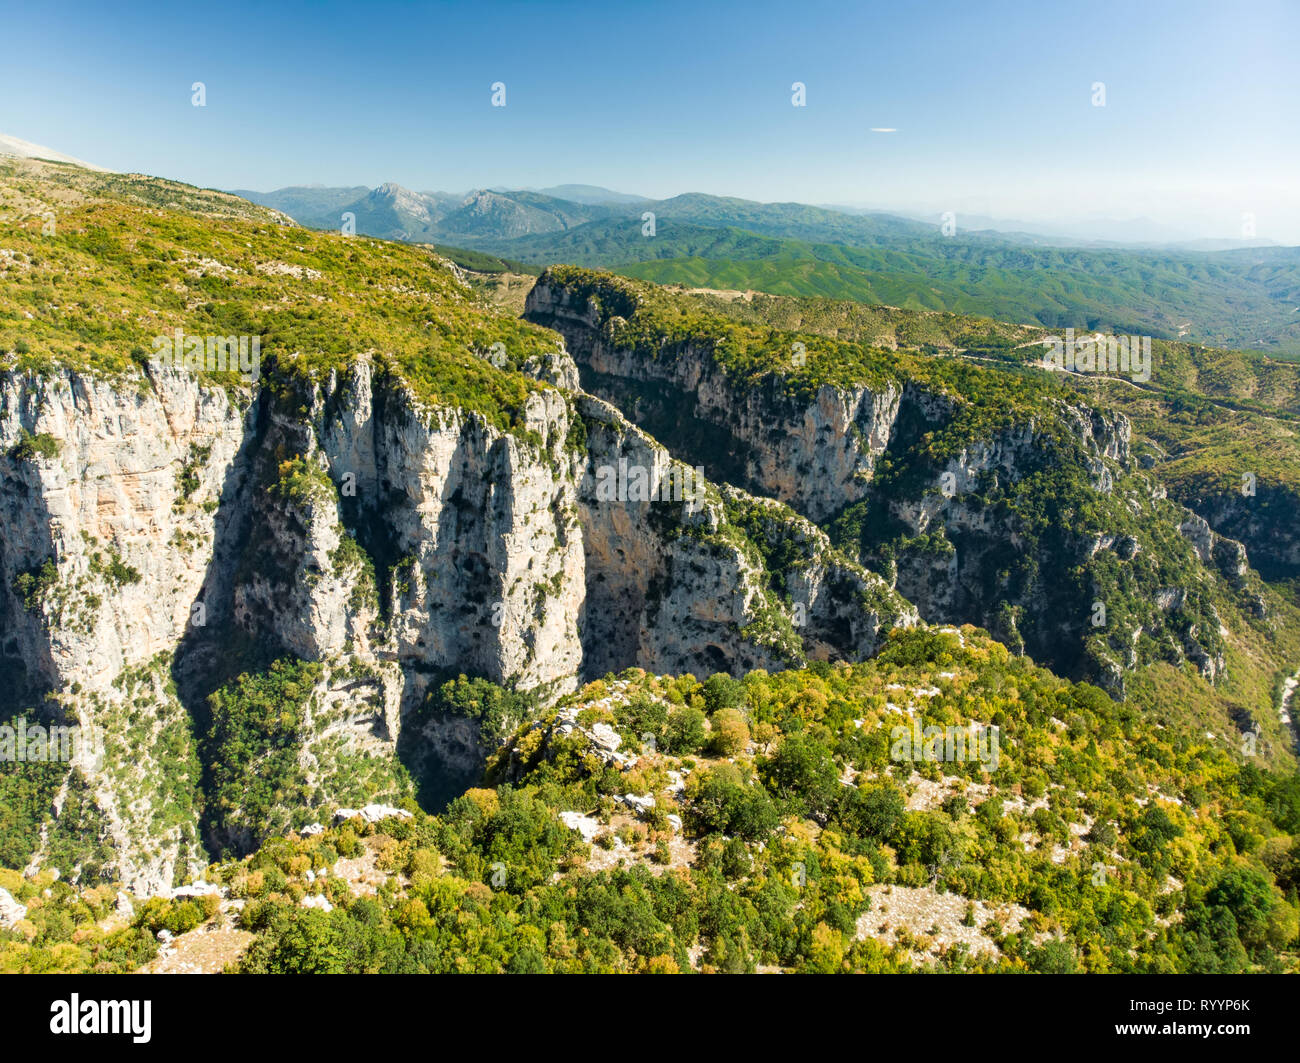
[[587, 826], [371, 813], [640, 803], [10, 910]]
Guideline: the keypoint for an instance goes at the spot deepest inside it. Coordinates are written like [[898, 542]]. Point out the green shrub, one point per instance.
[[31, 446]]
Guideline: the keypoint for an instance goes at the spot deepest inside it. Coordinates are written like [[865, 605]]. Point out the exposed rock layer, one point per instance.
[[173, 534]]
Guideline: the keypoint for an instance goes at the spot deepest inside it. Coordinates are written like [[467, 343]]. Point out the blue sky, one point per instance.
[[992, 101]]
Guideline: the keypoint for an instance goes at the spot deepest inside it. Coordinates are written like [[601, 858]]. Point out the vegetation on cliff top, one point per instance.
[[129, 261], [656, 324]]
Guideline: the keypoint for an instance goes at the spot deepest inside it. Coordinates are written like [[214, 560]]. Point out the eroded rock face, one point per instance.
[[675, 601], [114, 528], [1267, 522], [815, 456], [1216, 551], [673, 586], [468, 533], [950, 583], [954, 526], [973, 561], [166, 535], [139, 478], [11, 912]]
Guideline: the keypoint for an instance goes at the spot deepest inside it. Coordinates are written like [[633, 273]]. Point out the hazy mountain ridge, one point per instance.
[[397, 213], [1244, 297]]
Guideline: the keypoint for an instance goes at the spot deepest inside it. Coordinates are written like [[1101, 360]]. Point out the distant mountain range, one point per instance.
[[592, 194], [1234, 296], [489, 216], [396, 213], [1133, 233]]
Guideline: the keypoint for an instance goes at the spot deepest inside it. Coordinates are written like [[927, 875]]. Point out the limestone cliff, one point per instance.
[[816, 456], [1018, 515], [161, 535]]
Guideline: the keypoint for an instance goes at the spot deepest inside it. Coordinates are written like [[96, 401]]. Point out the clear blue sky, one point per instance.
[[991, 101]]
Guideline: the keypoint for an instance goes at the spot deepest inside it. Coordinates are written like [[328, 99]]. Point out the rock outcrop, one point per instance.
[[164, 534], [917, 479], [816, 456], [11, 912]]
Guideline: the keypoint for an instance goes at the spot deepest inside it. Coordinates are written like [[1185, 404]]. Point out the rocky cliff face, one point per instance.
[[962, 530], [1082, 595], [679, 586], [109, 537], [815, 456], [1267, 522], [122, 507], [468, 534], [161, 535]]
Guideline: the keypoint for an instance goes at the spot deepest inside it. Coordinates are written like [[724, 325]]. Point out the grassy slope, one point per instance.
[[133, 259]]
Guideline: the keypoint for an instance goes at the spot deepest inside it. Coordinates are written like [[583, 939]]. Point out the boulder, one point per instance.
[[640, 804], [371, 813], [10, 910], [587, 826], [197, 889]]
